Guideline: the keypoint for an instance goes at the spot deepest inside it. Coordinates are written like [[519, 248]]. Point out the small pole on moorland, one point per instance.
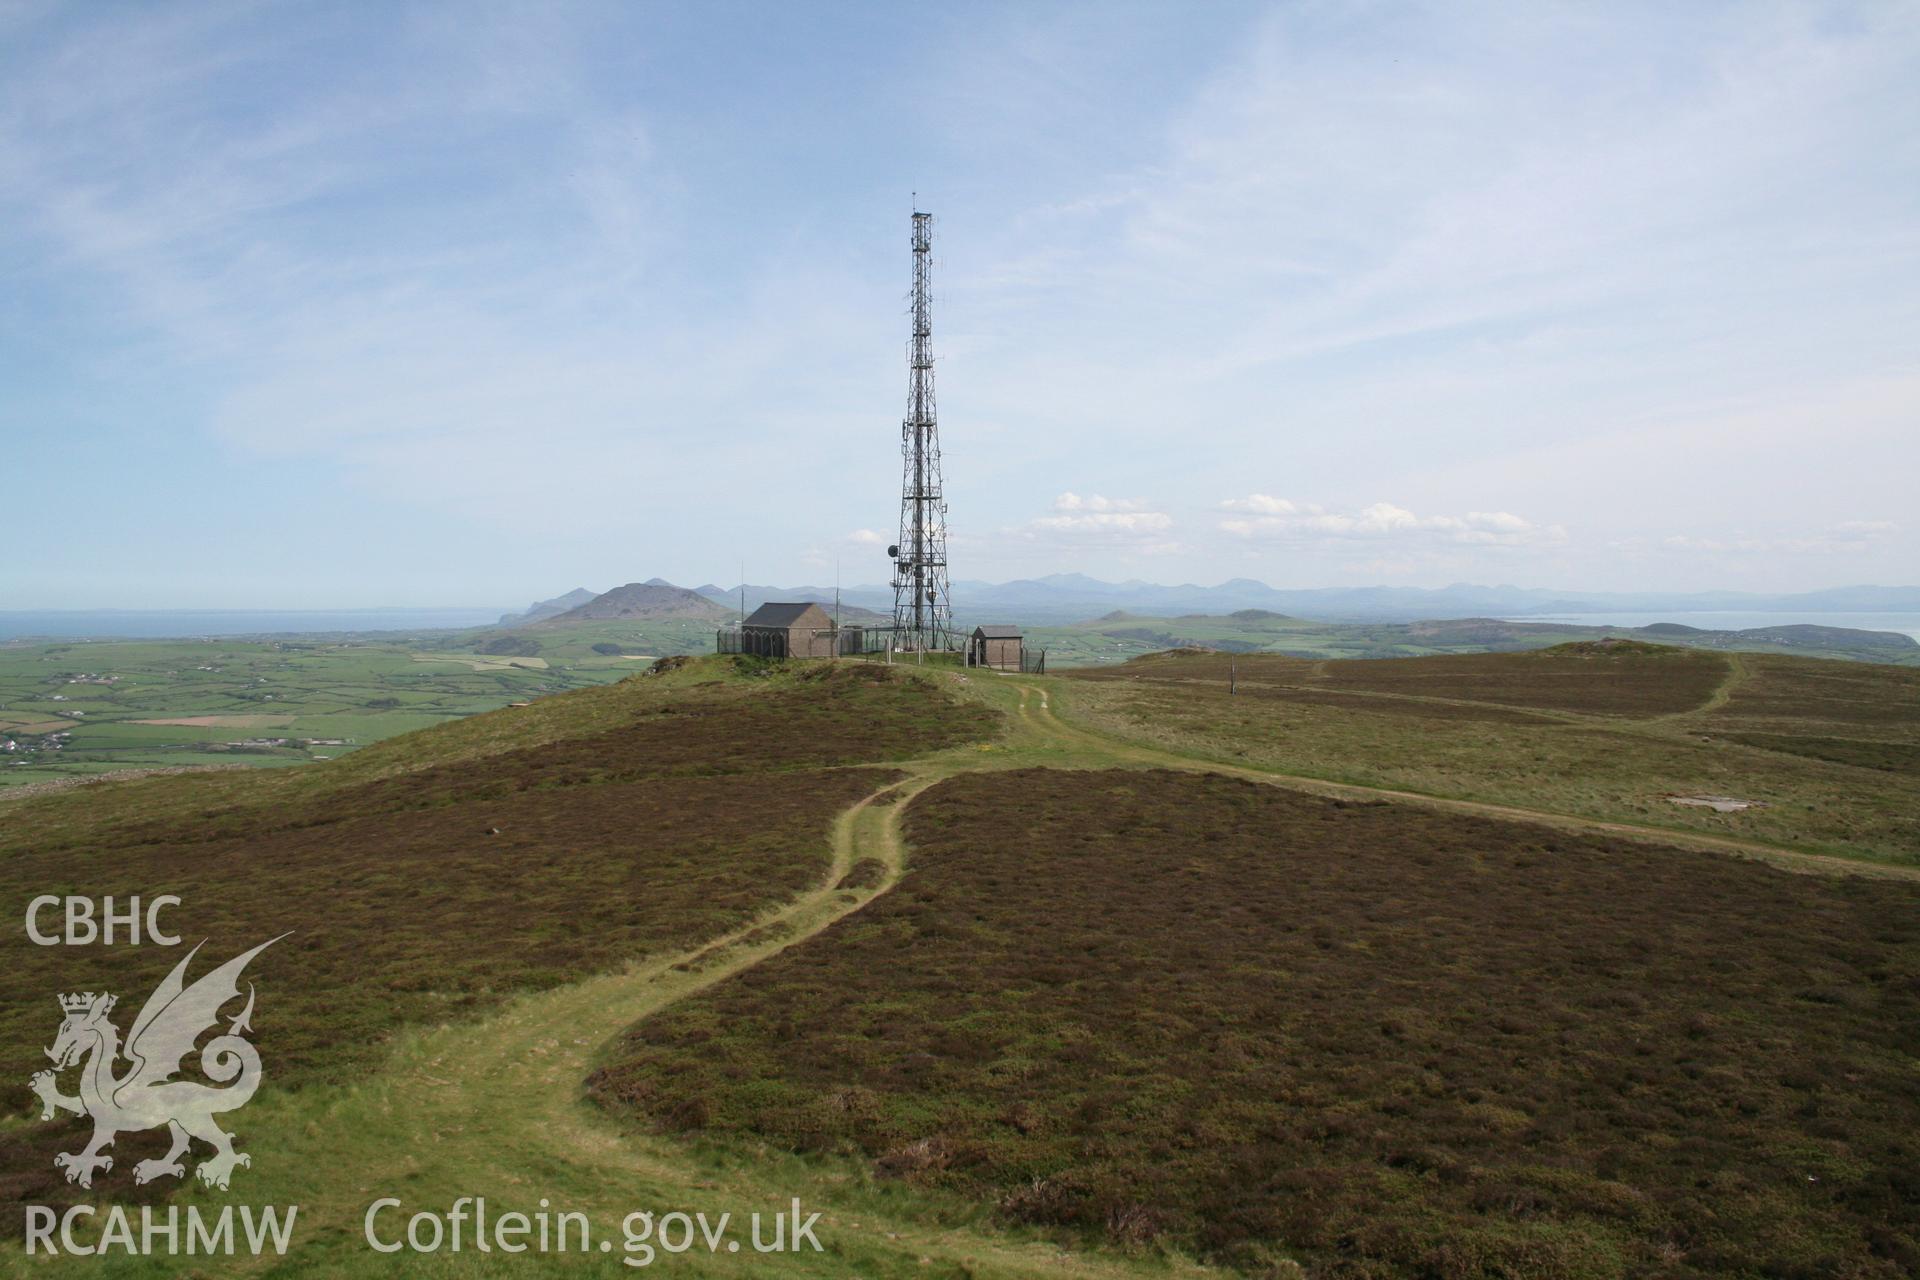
[[1233, 672]]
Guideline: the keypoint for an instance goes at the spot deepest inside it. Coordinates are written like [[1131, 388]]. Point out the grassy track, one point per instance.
[[1737, 674], [495, 1108]]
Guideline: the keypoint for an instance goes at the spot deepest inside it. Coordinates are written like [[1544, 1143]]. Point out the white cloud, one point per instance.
[[1121, 521], [1261, 504], [1095, 502], [1499, 521], [1281, 519], [1093, 523], [1098, 514]]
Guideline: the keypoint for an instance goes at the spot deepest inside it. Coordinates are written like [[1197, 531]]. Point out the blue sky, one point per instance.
[[470, 303]]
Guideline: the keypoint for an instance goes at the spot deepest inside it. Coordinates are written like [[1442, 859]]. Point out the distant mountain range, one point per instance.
[[1054, 600], [1066, 597], [1073, 597]]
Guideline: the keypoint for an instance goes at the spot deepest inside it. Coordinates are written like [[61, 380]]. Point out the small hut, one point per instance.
[[795, 630], [997, 646]]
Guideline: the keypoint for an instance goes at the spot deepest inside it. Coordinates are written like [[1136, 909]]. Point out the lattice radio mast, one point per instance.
[[922, 613]]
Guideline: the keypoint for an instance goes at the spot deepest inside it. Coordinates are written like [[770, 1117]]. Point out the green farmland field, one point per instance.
[[77, 708]]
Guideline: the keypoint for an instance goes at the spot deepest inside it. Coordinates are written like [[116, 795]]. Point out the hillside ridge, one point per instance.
[[641, 600]]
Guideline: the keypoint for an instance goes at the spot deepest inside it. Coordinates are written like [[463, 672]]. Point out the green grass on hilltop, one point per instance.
[[1606, 732]]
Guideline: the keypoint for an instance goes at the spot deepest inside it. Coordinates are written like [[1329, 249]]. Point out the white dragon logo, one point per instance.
[[147, 1096]]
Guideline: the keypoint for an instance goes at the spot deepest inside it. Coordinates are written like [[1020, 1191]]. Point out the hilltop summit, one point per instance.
[[647, 600]]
